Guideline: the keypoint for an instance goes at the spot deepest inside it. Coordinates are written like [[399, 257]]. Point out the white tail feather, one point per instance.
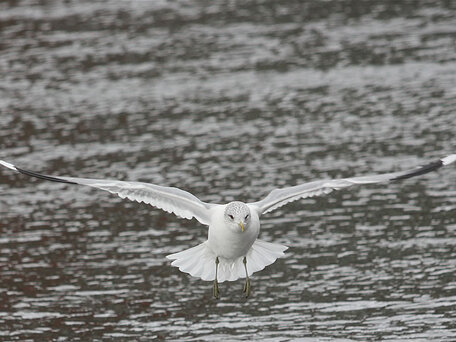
[[199, 261]]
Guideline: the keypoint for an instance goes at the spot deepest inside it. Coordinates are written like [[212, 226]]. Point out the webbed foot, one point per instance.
[[215, 290]]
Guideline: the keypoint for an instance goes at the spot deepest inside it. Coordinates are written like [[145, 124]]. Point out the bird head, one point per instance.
[[237, 216]]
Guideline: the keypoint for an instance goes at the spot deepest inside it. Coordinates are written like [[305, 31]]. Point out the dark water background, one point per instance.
[[227, 99]]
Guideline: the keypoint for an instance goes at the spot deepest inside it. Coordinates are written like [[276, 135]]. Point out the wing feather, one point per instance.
[[279, 197], [169, 199]]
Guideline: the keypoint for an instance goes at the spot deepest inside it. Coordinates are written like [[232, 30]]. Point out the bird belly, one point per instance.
[[231, 245]]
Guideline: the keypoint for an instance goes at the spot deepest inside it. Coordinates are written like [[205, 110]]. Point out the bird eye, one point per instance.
[[246, 216], [231, 216]]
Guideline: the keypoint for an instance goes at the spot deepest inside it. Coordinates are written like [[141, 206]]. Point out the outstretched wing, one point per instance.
[[279, 197], [172, 200]]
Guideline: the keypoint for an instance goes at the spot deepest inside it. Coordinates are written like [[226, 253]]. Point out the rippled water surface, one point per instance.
[[227, 99]]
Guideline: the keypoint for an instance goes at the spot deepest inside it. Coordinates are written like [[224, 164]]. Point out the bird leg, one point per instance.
[[247, 288], [215, 288]]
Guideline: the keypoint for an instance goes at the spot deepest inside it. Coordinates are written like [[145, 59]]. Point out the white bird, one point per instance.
[[232, 250]]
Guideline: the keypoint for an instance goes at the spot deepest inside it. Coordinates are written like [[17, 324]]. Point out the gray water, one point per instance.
[[227, 100]]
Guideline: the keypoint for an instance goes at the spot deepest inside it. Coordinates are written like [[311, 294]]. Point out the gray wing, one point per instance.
[[279, 197], [172, 200]]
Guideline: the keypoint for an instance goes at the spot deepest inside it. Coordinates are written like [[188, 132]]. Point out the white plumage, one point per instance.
[[233, 249], [198, 261]]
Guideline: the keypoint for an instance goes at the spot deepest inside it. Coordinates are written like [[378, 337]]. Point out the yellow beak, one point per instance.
[[242, 226]]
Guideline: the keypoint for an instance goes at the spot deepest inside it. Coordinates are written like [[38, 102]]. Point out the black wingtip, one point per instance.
[[40, 176], [422, 170]]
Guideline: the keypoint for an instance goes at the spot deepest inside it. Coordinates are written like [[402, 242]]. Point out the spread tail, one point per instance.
[[199, 261]]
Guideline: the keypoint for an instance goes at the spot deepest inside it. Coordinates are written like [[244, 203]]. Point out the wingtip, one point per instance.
[[8, 165], [449, 159]]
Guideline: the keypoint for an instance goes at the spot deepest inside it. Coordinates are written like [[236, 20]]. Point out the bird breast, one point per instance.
[[227, 243]]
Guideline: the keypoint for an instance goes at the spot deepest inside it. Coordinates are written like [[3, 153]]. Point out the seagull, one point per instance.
[[232, 249]]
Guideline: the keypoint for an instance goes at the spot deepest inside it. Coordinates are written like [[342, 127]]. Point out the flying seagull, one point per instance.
[[232, 249]]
